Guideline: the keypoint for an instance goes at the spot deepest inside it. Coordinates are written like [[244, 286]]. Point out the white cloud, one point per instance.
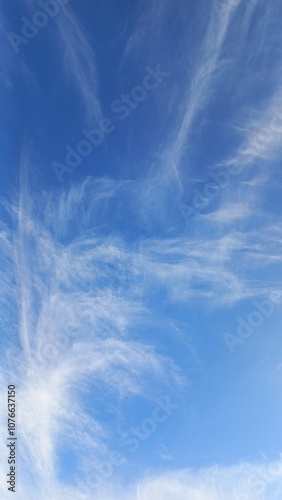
[[245, 481], [78, 293], [229, 213], [190, 88], [79, 62], [78, 302]]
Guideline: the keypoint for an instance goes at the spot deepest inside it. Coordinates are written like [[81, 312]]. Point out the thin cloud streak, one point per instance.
[[198, 90], [79, 62], [204, 77]]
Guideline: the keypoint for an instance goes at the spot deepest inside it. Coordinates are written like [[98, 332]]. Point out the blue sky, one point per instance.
[[140, 248]]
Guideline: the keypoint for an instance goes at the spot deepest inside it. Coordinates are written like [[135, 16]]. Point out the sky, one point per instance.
[[140, 248]]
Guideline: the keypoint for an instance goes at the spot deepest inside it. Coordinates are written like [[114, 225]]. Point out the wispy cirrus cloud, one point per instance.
[[75, 52], [89, 268], [67, 39], [74, 273], [79, 62], [82, 278], [78, 308], [191, 86], [243, 481]]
